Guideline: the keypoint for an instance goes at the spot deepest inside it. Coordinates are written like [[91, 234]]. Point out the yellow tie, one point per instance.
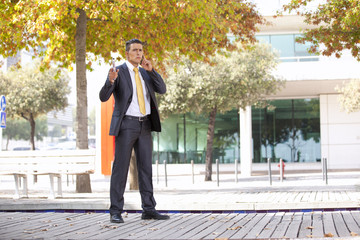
[[139, 91]]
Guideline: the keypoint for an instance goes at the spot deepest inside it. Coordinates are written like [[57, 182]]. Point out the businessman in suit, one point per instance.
[[135, 115]]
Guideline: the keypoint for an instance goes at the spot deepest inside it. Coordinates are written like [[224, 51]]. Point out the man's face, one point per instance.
[[135, 54]]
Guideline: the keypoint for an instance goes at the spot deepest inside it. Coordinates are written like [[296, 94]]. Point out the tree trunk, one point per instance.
[[209, 145], [32, 131], [134, 182], [82, 181], [7, 143]]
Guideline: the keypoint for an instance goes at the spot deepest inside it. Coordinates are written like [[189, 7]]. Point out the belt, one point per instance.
[[140, 119]]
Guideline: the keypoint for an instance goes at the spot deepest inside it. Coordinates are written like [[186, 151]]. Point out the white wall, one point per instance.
[[340, 134]]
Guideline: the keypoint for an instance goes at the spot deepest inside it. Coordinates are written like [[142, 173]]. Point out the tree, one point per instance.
[[31, 93], [81, 32], [18, 128], [337, 26], [232, 79], [350, 96]]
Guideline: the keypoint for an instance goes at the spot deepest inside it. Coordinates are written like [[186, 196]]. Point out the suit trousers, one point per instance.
[[133, 134]]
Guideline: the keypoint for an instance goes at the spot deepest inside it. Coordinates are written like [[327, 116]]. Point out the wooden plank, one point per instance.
[[32, 228], [326, 196], [298, 197], [312, 196], [132, 228], [123, 230], [332, 197], [160, 229], [248, 226], [8, 218], [183, 225], [351, 223], [317, 223], [97, 225], [340, 225], [293, 229], [271, 226], [27, 220], [329, 226], [319, 196], [356, 216], [281, 228], [345, 196], [79, 227], [305, 197], [259, 227], [279, 197], [200, 225], [165, 229], [227, 223], [219, 225], [107, 230], [306, 225], [237, 226]]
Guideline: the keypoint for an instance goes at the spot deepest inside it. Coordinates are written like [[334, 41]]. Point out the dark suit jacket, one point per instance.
[[122, 90]]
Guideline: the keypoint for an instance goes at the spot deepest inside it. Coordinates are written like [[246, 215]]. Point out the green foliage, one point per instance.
[[196, 28], [337, 25], [232, 79], [350, 96], [18, 128], [30, 91]]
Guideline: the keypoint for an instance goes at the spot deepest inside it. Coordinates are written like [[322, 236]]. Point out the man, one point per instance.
[[135, 116]]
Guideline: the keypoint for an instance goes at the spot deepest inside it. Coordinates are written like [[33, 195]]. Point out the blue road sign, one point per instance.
[[3, 120], [2, 103]]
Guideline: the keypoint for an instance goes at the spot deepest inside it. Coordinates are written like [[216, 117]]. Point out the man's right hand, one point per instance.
[[113, 75]]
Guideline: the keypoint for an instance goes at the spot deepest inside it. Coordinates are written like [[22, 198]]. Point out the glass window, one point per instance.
[[289, 49], [290, 130], [177, 145], [263, 38]]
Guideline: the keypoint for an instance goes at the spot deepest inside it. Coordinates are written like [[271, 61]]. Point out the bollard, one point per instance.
[[217, 172], [282, 169], [269, 171], [236, 170], [323, 168], [192, 170], [165, 173], [157, 171], [326, 171]]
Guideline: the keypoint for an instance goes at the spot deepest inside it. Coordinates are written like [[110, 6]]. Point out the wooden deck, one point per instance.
[[51, 225]]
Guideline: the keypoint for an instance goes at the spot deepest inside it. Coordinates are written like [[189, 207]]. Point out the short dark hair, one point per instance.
[[128, 43]]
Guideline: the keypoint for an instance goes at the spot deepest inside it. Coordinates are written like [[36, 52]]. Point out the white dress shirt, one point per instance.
[[134, 109]]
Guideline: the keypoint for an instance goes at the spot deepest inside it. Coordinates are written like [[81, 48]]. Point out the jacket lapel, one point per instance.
[[126, 73]]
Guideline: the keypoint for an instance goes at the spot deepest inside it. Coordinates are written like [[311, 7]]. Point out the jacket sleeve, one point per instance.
[[158, 82], [106, 90]]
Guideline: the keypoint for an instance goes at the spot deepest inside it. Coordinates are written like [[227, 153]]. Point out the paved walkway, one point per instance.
[[343, 224], [302, 206]]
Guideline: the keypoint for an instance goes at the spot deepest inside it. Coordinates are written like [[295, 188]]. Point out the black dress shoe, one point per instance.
[[154, 215], [116, 218]]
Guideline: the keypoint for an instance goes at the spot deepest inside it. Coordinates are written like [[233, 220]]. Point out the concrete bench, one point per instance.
[[22, 164]]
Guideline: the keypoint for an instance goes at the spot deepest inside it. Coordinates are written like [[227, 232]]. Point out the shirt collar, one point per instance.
[[130, 66]]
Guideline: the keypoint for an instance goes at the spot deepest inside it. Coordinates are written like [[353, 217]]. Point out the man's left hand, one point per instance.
[[146, 64]]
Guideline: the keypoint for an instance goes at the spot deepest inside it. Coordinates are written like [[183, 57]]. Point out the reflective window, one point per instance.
[[289, 129], [289, 50], [183, 138]]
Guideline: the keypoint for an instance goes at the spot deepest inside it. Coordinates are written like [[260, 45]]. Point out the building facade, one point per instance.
[[303, 124]]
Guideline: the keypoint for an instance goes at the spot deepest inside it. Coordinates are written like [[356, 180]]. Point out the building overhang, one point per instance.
[[308, 88], [284, 24]]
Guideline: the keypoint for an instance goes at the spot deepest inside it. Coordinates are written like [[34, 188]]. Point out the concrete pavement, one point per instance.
[[298, 192]]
